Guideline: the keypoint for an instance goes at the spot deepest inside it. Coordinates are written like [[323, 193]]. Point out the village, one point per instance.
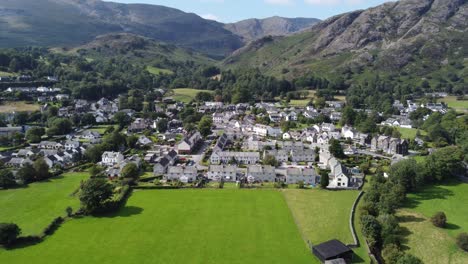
[[239, 147]]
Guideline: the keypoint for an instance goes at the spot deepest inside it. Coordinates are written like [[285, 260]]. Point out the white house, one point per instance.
[[239, 157], [222, 173], [111, 158], [306, 175], [183, 174]]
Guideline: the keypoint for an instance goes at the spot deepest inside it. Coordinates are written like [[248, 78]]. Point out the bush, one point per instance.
[[9, 232], [462, 241], [50, 229], [439, 219]]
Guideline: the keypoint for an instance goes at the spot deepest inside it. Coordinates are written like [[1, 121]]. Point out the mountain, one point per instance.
[[135, 49], [71, 22], [253, 29], [415, 38]]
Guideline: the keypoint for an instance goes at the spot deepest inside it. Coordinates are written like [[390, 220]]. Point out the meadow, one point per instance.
[[186, 95], [432, 244], [19, 106], [158, 71], [35, 206], [410, 133], [458, 105], [179, 226]]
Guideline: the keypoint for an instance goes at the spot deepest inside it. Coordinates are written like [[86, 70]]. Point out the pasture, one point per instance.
[[20, 106], [186, 95], [458, 105], [158, 71], [432, 244], [410, 133], [179, 226], [36, 205]]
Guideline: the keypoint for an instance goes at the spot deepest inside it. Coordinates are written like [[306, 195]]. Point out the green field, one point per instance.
[[36, 205], [186, 94], [431, 244], [409, 133], [452, 102], [324, 215], [158, 71], [185, 226], [6, 74]]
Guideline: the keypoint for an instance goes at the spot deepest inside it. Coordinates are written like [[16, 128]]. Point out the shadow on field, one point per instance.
[[435, 192], [451, 226], [126, 211], [410, 218]]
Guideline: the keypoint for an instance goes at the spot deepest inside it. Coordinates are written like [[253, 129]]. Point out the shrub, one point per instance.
[[439, 219], [462, 241], [50, 229], [9, 232]]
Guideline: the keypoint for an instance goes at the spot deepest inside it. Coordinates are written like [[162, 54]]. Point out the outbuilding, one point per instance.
[[333, 249]]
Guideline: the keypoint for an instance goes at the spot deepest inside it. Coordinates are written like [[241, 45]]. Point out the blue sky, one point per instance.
[[235, 10]]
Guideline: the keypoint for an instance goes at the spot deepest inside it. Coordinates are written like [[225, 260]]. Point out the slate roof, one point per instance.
[[331, 249]]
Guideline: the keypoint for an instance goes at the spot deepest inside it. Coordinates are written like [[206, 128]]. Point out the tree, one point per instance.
[[130, 171], [162, 125], [21, 118], [94, 192], [88, 119], [132, 141], [205, 126], [336, 149], [7, 179], [59, 126], [94, 153], [324, 180], [348, 116], [204, 97], [444, 163], [69, 211], [34, 134], [270, 160], [8, 233], [95, 170], [122, 119], [27, 173], [439, 219], [371, 229], [462, 241], [42, 169], [391, 253], [300, 185]]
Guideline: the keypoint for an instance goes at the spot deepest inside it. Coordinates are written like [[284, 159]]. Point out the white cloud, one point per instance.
[[279, 2], [212, 1], [210, 17]]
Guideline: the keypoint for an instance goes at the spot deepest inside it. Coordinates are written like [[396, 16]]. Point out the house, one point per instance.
[[161, 166], [70, 145], [189, 143], [18, 162], [222, 173], [348, 132], [24, 153], [183, 174], [218, 118], [390, 145], [144, 141], [260, 130], [328, 127], [275, 117], [331, 250], [307, 176], [258, 173], [90, 135], [221, 143], [49, 145], [139, 125], [280, 155], [111, 158], [286, 136], [10, 131], [338, 177], [303, 155], [290, 146], [53, 161], [238, 157], [62, 97]]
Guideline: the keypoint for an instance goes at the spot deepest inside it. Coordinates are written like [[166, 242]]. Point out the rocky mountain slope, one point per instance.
[[408, 37], [253, 29], [68, 22]]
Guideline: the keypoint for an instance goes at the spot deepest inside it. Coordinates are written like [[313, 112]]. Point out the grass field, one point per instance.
[[158, 71], [409, 133], [186, 94], [6, 74], [100, 129], [33, 207], [451, 101], [431, 244], [185, 226], [324, 215], [20, 106]]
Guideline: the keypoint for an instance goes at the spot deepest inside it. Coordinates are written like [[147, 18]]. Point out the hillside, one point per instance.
[[71, 22], [253, 29], [134, 48], [410, 38]]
